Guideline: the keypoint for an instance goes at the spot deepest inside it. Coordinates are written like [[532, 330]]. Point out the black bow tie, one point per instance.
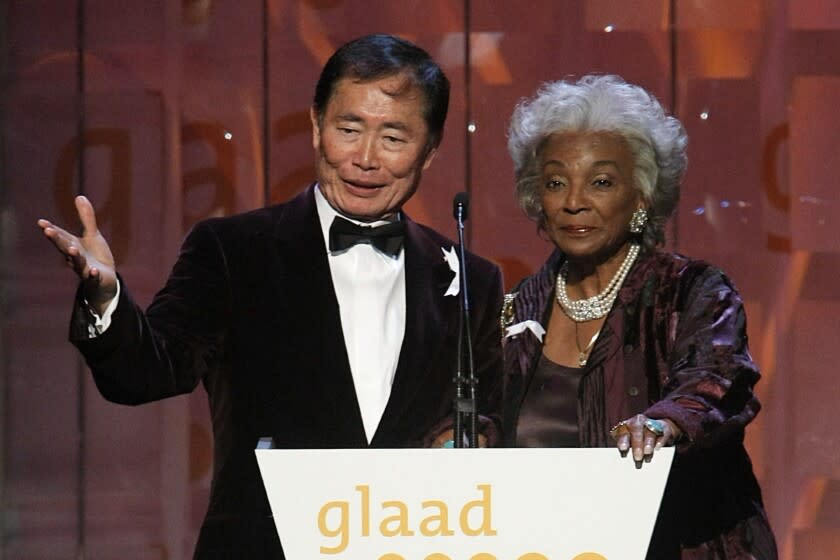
[[388, 238]]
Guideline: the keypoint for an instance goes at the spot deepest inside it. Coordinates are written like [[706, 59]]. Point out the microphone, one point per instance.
[[461, 206], [464, 409]]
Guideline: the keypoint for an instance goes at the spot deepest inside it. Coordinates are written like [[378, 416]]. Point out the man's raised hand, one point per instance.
[[89, 256]]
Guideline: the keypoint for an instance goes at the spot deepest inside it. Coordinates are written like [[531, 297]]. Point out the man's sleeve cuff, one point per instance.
[[99, 325]]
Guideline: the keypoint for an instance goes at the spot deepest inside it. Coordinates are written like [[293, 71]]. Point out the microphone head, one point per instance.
[[462, 202]]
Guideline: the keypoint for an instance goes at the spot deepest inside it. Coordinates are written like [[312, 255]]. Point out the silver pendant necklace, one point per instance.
[[583, 353]]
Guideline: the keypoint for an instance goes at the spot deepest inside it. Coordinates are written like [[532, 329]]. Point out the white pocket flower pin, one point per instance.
[[529, 325], [451, 258]]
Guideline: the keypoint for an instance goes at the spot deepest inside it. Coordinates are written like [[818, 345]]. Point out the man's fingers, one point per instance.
[[61, 239], [78, 261], [70, 247], [87, 215]]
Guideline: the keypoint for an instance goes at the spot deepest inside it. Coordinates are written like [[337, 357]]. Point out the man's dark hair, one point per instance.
[[378, 56]]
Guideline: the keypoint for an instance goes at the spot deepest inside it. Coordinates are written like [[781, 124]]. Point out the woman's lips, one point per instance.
[[577, 230]]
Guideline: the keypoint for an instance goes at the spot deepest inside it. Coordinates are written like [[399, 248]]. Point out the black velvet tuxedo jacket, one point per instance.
[[250, 312]]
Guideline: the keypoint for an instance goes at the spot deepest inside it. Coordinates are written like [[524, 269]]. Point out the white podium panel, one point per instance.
[[463, 504]]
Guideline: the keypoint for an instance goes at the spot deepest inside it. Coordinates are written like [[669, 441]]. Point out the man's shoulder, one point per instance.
[[430, 235], [257, 220]]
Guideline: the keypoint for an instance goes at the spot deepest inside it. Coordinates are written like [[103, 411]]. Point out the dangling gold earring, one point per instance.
[[638, 221]]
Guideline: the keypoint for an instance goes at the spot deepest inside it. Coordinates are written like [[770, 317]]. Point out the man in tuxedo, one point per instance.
[[322, 322]]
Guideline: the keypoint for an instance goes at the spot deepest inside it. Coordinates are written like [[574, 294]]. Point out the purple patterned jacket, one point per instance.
[[673, 346]]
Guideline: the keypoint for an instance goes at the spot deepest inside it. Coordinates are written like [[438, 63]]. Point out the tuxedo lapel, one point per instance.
[[304, 282], [430, 318]]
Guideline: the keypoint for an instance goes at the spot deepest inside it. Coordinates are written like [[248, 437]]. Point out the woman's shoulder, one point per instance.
[[527, 297], [686, 274], [680, 266]]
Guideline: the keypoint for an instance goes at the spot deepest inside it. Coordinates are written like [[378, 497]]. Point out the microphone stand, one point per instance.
[[465, 399]]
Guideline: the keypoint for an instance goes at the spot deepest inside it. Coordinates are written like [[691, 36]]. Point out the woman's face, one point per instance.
[[587, 192]]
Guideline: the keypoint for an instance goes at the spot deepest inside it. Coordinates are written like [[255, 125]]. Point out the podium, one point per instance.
[[463, 504]]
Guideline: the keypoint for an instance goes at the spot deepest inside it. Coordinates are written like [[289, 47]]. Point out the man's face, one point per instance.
[[371, 146]]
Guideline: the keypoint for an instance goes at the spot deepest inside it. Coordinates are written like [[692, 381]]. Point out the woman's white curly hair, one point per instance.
[[603, 103]]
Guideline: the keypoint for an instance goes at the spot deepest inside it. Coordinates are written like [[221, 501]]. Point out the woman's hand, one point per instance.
[[447, 439], [644, 435]]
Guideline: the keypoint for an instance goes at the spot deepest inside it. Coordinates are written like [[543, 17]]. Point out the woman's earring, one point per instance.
[[638, 221]]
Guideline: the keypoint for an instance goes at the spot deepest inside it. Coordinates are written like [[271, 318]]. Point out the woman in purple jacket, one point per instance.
[[614, 342]]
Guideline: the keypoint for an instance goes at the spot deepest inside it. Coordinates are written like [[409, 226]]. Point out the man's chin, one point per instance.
[[364, 210], [369, 215]]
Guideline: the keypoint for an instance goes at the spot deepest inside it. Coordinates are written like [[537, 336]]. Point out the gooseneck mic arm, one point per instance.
[[464, 408]]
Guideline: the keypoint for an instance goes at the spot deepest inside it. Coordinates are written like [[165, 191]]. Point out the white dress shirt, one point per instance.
[[370, 287]]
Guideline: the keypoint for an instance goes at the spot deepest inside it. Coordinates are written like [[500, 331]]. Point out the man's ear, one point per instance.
[[429, 157], [316, 128]]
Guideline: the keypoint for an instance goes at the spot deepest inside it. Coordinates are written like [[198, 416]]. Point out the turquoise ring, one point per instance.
[[655, 426]]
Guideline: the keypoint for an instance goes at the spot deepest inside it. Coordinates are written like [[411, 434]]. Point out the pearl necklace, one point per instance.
[[597, 306]]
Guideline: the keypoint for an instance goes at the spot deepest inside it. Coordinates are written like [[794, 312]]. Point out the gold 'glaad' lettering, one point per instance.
[[484, 505], [340, 531], [399, 521], [475, 519], [436, 525]]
